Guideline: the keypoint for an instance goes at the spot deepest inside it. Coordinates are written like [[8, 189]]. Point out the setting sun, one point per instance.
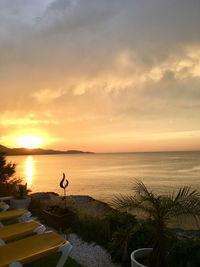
[[29, 141]]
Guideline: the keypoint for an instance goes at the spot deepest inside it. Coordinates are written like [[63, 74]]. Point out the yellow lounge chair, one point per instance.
[[20, 229], [20, 215], [33, 248], [3, 206]]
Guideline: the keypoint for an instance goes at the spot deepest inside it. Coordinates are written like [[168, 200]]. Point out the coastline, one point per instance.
[[37, 151], [96, 208], [84, 203]]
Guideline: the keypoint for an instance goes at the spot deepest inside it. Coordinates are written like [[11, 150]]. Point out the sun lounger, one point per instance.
[[3, 206], [20, 215], [33, 248], [20, 229]]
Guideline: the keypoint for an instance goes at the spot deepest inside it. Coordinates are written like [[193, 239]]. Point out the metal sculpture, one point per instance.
[[64, 187]]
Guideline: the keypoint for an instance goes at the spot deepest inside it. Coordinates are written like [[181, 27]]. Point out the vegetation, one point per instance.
[[85, 226], [159, 210], [113, 232], [22, 191], [7, 170], [120, 233], [185, 253], [8, 182], [36, 208]]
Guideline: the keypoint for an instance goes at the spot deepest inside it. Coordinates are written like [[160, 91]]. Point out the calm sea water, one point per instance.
[[104, 175]]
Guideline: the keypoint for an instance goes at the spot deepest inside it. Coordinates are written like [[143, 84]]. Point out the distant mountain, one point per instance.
[[3, 148], [36, 151]]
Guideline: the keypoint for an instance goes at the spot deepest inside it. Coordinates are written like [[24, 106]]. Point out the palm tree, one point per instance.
[[160, 209]]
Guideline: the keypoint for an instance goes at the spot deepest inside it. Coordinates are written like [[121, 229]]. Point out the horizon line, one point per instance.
[[108, 152]]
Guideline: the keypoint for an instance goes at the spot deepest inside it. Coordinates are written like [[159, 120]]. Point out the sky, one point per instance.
[[99, 75]]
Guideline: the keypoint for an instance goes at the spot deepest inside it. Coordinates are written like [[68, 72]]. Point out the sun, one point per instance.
[[29, 141]]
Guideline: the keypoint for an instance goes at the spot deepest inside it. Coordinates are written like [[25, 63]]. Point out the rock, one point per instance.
[[83, 203], [44, 195], [90, 206], [81, 198], [185, 234]]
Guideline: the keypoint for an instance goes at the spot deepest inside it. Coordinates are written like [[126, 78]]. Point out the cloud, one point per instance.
[[17, 119], [47, 95], [100, 68]]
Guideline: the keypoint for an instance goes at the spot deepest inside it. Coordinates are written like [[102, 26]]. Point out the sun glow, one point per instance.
[[29, 141]]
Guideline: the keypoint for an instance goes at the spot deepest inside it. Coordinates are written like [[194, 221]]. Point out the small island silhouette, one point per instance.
[[37, 151]]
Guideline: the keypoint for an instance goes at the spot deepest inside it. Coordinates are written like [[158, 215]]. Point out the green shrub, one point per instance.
[[127, 239], [7, 170], [8, 183], [116, 220], [185, 253], [131, 237], [36, 208], [91, 229], [101, 230]]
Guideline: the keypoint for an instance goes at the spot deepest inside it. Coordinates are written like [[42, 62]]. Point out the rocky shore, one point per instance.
[[93, 207], [86, 204]]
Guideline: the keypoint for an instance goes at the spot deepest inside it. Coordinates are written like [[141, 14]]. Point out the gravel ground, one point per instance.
[[89, 255]]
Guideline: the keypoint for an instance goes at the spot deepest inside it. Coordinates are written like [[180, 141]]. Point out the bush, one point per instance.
[[117, 220], [131, 237], [113, 232], [7, 182], [100, 230], [7, 170], [127, 239], [36, 208], [91, 229], [185, 253]]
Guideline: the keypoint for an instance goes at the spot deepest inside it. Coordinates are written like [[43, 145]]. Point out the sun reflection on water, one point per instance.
[[29, 170]]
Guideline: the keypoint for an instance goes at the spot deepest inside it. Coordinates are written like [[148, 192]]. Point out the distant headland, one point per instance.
[[37, 151]]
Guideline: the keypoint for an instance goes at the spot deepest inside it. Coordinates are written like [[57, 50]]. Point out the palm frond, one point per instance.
[[186, 202], [140, 188], [122, 202], [184, 192]]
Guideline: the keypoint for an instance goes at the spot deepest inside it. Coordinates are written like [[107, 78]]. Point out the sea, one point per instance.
[[102, 176]]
